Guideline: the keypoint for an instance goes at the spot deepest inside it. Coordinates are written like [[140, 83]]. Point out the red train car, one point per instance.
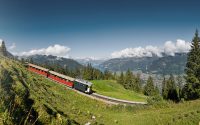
[[69, 81], [61, 78], [38, 69]]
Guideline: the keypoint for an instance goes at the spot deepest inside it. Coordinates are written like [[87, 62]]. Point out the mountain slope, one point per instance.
[[169, 64], [52, 60], [29, 98], [159, 65], [123, 64], [94, 62]]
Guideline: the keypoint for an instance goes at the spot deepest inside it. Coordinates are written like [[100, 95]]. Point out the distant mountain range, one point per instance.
[[51, 60], [164, 65], [94, 62], [157, 65]]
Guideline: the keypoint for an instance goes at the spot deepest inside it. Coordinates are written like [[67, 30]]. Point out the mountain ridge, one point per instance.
[[70, 64], [159, 65]]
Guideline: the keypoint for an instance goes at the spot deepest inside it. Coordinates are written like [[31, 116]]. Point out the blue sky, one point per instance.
[[96, 28]]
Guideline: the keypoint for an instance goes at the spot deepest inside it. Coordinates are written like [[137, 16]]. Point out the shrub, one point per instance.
[[156, 100]]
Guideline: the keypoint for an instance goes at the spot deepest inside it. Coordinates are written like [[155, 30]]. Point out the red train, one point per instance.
[[81, 85]]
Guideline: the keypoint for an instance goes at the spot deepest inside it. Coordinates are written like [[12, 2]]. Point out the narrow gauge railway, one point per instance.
[[78, 84], [83, 86]]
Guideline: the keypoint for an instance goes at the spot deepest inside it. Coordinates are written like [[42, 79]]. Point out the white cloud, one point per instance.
[[183, 46], [169, 48], [55, 50], [13, 46], [180, 46], [148, 51]]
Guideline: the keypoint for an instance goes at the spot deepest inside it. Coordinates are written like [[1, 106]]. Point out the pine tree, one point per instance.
[[171, 90], [191, 89], [179, 86], [157, 92], [164, 89], [108, 75], [128, 83], [137, 84], [120, 80], [115, 76], [149, 88]]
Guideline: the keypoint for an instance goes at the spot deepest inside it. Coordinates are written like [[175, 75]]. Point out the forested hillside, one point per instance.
[[27, 98]]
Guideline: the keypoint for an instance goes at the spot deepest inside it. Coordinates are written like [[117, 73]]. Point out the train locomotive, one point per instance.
[[78, 84]]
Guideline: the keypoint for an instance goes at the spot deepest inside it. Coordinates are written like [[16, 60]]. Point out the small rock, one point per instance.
[[93, 117], [88, 123]]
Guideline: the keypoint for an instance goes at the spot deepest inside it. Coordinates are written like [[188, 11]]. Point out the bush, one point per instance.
[[155, 100]]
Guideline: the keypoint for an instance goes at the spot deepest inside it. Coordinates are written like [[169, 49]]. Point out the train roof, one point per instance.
[[84, 82], [62, 76], [38, 67]]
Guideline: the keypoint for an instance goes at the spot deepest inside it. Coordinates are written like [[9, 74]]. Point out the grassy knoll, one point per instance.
[[113, 89], [32, 99]]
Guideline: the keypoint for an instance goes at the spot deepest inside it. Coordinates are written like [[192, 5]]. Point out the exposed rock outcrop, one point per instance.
[[3, 50]]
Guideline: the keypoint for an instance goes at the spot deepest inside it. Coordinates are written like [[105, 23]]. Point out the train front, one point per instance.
[[83, 86]]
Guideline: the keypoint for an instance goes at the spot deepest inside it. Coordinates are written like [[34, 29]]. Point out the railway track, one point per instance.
[[117, 101], [110, 100], [102, 98], [105, 99]]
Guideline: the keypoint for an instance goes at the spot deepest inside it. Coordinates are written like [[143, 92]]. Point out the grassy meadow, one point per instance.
[[113, 89]]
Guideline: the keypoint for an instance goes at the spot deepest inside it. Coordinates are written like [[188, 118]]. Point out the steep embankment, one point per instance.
[[28, 98]]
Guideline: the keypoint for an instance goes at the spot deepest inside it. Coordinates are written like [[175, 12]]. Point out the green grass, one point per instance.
[[113, 89], [55, 104]]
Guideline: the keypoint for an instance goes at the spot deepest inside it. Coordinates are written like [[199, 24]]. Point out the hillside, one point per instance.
[[52, 60], [94, 62], [113, 89], [158, 65], [3, 50], [28, 98], [123, 64]]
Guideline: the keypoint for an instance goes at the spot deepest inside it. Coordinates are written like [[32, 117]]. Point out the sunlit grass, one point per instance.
[[57, 105], [113, 89]]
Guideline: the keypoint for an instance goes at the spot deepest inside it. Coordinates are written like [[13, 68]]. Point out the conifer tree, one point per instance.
[[164, 90], [191, 89], [137, 84], [115, 76], [171, 90], [121, 79], [128, 84], [149, 88], [179, 86], [157, 92]]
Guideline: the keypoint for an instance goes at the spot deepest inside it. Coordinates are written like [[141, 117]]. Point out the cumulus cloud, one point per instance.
[[148, 51], [13, 46], [180, 46], [169, 48], [183, 46], [55, 50]]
